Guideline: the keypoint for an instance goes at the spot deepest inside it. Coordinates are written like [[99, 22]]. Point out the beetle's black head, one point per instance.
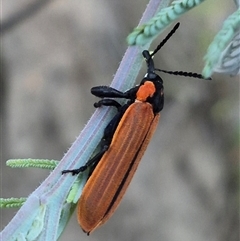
[[149, 60], [150, 75], [155, 98]]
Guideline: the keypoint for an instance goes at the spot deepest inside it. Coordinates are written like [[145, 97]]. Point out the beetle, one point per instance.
[[123, 144]]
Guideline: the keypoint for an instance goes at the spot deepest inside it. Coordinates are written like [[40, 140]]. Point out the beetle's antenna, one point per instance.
[[166, 39], [182, 73], [150, 63], [149, 56]]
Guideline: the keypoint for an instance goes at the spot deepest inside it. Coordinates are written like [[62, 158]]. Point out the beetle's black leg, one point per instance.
[[105, 142], [107, 102], [106, 91], [131, 93], [109, 92], [91, 162]]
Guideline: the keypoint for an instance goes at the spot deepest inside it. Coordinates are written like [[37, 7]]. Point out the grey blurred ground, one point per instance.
[[186, 186]]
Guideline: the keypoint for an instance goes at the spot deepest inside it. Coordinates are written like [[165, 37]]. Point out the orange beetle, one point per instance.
[[123, 144]]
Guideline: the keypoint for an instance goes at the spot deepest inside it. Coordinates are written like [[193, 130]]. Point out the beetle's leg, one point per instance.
[[91, 162], [107, 102], [106, 91], [104, 144], [131, 93]]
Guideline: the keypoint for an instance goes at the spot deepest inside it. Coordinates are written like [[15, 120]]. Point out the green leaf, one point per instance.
[[38, 163]]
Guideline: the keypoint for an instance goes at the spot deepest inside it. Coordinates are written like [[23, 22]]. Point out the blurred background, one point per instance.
[[53, 52]]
